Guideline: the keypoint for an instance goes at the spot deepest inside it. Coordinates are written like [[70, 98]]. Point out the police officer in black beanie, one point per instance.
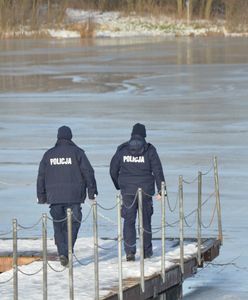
[[136, 164], [64, 175]]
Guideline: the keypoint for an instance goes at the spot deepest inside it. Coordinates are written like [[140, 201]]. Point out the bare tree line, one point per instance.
[[34, 13]]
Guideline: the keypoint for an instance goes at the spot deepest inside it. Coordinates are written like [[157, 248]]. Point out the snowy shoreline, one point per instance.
[[116, 25]]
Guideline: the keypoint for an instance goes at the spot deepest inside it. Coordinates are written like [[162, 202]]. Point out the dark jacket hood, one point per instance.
[[137, 145], [64, 133]]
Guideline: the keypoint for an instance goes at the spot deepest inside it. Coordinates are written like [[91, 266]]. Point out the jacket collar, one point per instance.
[[64, 142]]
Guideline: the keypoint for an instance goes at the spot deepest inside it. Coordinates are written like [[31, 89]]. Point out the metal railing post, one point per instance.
[[199, 218], [96, 266], [15, 262], [44, 249], [181, 227], [70, 258], [141, 237], [163, 230], [119, 202], [217, 195]]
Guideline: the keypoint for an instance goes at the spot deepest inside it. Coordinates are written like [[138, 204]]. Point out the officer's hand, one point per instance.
[[158, 197], [94, 199]]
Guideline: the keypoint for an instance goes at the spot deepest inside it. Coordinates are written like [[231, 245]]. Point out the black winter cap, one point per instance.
[[64, 133], [139, 129]]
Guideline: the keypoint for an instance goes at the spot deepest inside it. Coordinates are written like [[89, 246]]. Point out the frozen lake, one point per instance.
[[191, 93]]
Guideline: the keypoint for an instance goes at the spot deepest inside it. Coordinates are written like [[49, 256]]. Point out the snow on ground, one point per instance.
[[115, 24], [30, 287]]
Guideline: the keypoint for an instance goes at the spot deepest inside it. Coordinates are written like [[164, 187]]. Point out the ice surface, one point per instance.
[[191, 93]]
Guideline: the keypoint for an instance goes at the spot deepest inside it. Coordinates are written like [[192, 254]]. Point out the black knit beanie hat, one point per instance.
[[64, 133], [139, 129]]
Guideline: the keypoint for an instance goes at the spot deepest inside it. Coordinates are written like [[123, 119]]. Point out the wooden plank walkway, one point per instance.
[[154, 285], [24, 257], [172, 287]]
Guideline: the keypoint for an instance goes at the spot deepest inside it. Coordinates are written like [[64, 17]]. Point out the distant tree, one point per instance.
[[208, 8], [200, 8], [180, 8]]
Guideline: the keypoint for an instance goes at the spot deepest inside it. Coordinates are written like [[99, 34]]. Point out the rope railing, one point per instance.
[[57, 221], [30, 274], [187, 223], [190, 181], [108, 248], [207, 199], [133, 203], [6, 233], [78, 260], [55, 270], [137, 200], [107, 208], [211, 220], [169, 204], [207, 172], [29, 227], [6, 281], [83, 220]]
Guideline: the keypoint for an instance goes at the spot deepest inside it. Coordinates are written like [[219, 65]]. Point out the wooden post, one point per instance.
[[217, 195], [120, 295], [15, 265], [180, 8], [141, 237], [163, 231], [96, 262], [181, 219], [199, 219], [44, 248], [69, 231]]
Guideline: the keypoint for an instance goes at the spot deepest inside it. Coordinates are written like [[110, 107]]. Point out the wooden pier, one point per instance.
[[172, 288], [24, 257], [154, 286], [161, 276]]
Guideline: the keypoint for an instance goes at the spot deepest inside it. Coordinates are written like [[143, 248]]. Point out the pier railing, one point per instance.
[[182, 222]]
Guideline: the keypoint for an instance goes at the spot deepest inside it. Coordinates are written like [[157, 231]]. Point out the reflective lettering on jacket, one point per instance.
[[60, 161], [133, 159]]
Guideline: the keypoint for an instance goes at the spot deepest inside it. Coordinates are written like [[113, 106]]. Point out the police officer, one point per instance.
[[136, 164], [64, 175]]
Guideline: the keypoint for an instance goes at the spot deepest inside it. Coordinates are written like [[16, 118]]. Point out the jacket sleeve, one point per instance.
[[88, 173], [115, 169], [40, 187], [156, 167]]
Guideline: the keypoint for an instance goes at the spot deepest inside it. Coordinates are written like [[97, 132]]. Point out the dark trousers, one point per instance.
[[129, 213], [58, 212]]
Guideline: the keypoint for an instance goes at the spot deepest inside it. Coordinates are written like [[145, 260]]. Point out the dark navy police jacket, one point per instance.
[[136, 164], [64, 175]]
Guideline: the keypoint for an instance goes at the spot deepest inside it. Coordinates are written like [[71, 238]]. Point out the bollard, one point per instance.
[[15, 262], [181, 219], [69, 231], [141, 236], [44, 249], [199, 218], [217, 195], [120, 295], [96, 266], [163, 231]]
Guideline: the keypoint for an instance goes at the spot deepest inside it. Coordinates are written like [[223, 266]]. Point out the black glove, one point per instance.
[[93, 198]]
